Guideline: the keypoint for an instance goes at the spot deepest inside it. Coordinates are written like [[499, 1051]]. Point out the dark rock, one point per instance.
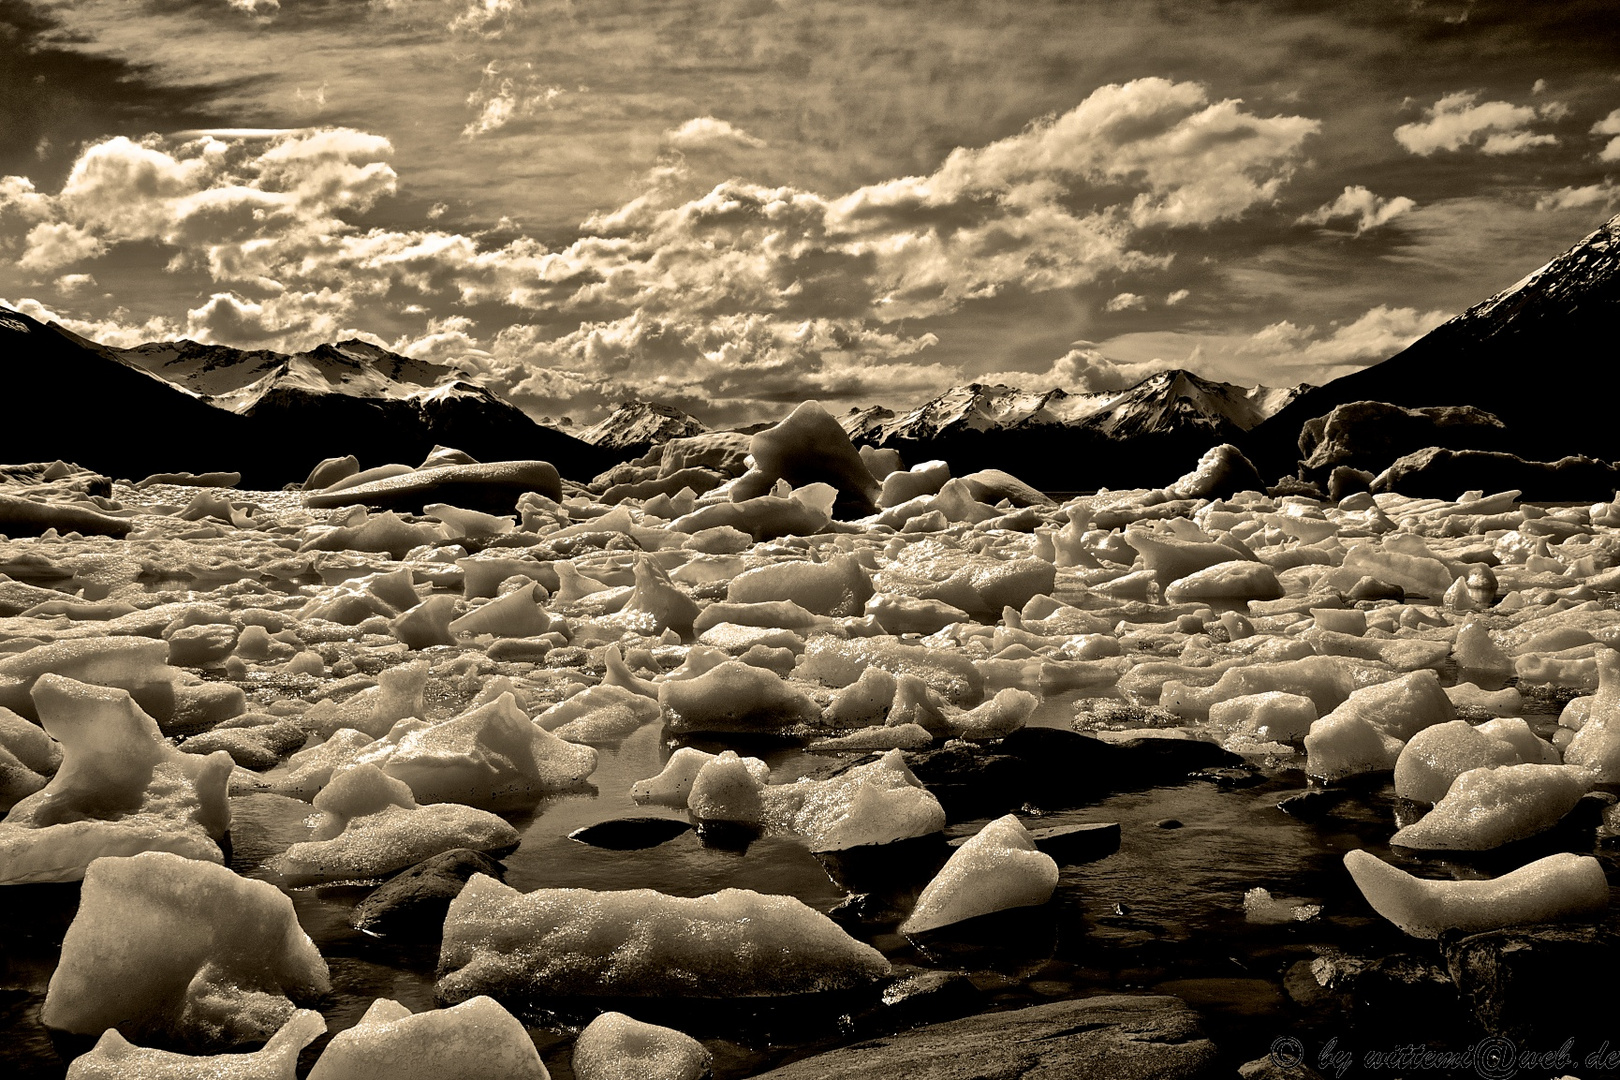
[[1536, 983], [1312, 804], [1344, 481], [418, 898], [1398, 992], [1368, 435], [1437, 472], [1073, 844], [1118, 1036], [1168, 823], [630, 834], [1053, 769], [1281, 1064], [922, 996]]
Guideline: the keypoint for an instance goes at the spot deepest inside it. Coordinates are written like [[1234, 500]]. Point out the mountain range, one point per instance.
[[185, 406], [1538, 355]]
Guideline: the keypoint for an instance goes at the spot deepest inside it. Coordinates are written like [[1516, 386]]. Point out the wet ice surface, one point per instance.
[[1164, 913]]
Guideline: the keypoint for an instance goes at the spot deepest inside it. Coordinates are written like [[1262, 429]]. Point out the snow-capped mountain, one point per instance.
[[1166, 402], [636, 425], [176, 406], [1539, 355]]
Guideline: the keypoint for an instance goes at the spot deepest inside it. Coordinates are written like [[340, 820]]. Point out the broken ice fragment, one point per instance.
[[475, 1040], [999, 868]]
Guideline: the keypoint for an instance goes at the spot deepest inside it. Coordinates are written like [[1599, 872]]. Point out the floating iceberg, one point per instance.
[[998, 868], [475, 1040], [183, 951], [639, 943]]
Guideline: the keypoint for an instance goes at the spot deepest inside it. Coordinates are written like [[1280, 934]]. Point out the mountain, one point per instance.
[[635, 426], [185, 406], [1539, 355], [1145, 434]]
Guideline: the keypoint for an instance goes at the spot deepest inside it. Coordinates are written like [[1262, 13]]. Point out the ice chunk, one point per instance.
[[491, 487], [1275, 715], [657, 604], [120, 789], [999, 868], [1326, 680], [1235, 580], [1516, 732], [1504, 702], [1401, 707], [1260, 906], [483, 573], [115, 1058], [673, 785], [1172, 558], [808, 446], [28, 757], [639, 943], [1415, 574], [492, 756], [600, 714], [178, 950], [1562, 886], [309, 770], [386, 533], [469, 523], [615, 1047], [876, 803], [735, 697], [1437, 755], [729, 788], [895, 737], [370, 826], [839, 587], [838, 662], [137, 664], [922, 479], [517, 614], [427, 624], [397, 695], [1001, 715], [1488, 807], [864, 701], [1596, 746], [475, 1040], [1343, 744]]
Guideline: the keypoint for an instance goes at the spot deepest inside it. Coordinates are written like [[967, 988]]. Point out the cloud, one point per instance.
[[501, 98], [262, 8], [706, 133], [489, 18], [114, 329], [1375, 336], [1176, 297], [744, 292], [1126, 301], [1084, 369], [1609, 125], [1460, 119], [1603, 193], [1368, 210]]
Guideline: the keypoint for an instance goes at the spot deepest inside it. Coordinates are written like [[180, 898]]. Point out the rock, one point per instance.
[[492, 488], [1394, 991], [1118, 1036], [417, 899], [1518, 983], [631, 834], [1369, 435], [1278, 1065], [1053, 769], [1439, 472]]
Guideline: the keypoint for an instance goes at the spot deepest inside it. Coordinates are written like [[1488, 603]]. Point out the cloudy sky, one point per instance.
[[731, 205]]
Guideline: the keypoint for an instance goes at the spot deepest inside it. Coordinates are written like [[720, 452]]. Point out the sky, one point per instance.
[[734, 205]]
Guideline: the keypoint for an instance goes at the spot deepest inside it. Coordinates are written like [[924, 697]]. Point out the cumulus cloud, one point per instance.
[[1603, 193], [1367, 210], [1126, 301], [744, 292], [502, 97], [262, 8], [1377, 335], [488, 18], [1461, 119], [1084, 369], [1176, 297], [115, 329], [706, 133], [1609, 125]]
